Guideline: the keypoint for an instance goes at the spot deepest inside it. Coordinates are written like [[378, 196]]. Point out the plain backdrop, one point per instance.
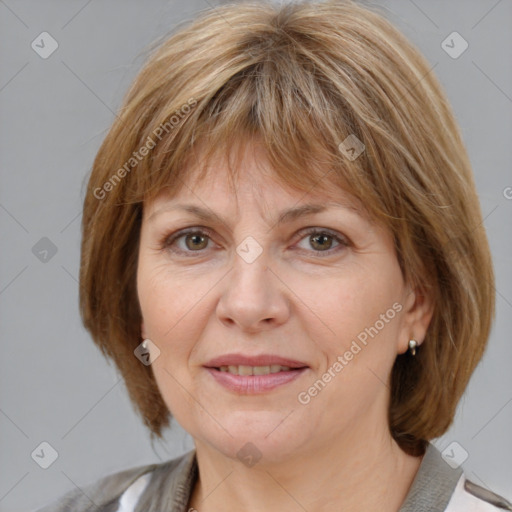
[[55, 387]]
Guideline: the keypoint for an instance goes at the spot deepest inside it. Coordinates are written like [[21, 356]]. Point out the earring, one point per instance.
[[412, 346], [145, 344]]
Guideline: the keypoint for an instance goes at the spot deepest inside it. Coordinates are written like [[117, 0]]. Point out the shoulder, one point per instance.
[[440, 484], [98, 494], [468, 496], [103, 494]]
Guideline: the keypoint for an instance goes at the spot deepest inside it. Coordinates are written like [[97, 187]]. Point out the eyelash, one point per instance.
[[167, 241]]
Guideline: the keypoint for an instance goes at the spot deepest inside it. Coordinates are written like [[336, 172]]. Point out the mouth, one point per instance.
[[254, 370], [257, 361], [254, 375]]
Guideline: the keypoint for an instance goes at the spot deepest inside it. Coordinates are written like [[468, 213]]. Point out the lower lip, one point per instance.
[[254, 384]]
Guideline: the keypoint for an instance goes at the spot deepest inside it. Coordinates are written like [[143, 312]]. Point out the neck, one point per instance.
[[364, 472]]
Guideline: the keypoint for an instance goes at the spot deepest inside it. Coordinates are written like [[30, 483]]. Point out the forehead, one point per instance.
[[253, 183]]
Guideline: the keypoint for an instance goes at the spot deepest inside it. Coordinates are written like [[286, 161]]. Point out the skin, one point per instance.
[[333, 453]]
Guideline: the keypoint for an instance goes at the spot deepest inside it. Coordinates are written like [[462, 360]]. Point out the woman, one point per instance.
[[280, 239]]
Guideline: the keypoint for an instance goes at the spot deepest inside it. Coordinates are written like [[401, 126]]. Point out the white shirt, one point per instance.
[[131, 496], [462, 500]]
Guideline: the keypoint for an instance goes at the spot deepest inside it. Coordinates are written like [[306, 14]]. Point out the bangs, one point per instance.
[[299, 125]]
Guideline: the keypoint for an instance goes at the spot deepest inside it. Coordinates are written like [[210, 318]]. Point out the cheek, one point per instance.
[[363, 318], [166, 297], [169, 311], [361, 307], [172, 305]]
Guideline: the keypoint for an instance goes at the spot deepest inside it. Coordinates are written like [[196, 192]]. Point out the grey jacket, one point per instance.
[[172, 482]]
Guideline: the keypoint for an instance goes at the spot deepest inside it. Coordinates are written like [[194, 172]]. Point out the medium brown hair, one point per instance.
[[302, 77]]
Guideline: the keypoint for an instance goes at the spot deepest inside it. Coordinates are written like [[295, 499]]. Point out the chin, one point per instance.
[[257, 437]]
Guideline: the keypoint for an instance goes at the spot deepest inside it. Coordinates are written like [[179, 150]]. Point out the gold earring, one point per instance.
[[412, 346]]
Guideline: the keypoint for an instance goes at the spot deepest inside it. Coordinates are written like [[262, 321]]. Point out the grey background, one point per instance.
[[55, 386]]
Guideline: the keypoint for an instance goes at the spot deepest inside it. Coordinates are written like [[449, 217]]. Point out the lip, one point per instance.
[[259, 360], [254, 384]]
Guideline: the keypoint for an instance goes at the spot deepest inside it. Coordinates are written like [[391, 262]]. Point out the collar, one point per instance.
[[172, 483], [433, 484], [170, 486]]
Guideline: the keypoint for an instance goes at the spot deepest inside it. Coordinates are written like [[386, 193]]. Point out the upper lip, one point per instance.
[[259, 360]]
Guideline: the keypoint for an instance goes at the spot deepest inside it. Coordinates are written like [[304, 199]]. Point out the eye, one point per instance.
[[194, 240], [322, 241]]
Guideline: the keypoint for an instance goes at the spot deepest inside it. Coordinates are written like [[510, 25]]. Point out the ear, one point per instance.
[[418, 311], [143, 331]]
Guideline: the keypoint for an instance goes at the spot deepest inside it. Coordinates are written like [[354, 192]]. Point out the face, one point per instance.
[[318, 300]]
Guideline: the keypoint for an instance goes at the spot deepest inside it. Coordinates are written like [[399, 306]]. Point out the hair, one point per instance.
[[300, 77]]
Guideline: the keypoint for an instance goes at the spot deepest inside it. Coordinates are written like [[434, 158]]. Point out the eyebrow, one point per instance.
[[285, 216]]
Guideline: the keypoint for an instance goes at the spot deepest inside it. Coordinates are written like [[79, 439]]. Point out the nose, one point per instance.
[[254, 298]]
